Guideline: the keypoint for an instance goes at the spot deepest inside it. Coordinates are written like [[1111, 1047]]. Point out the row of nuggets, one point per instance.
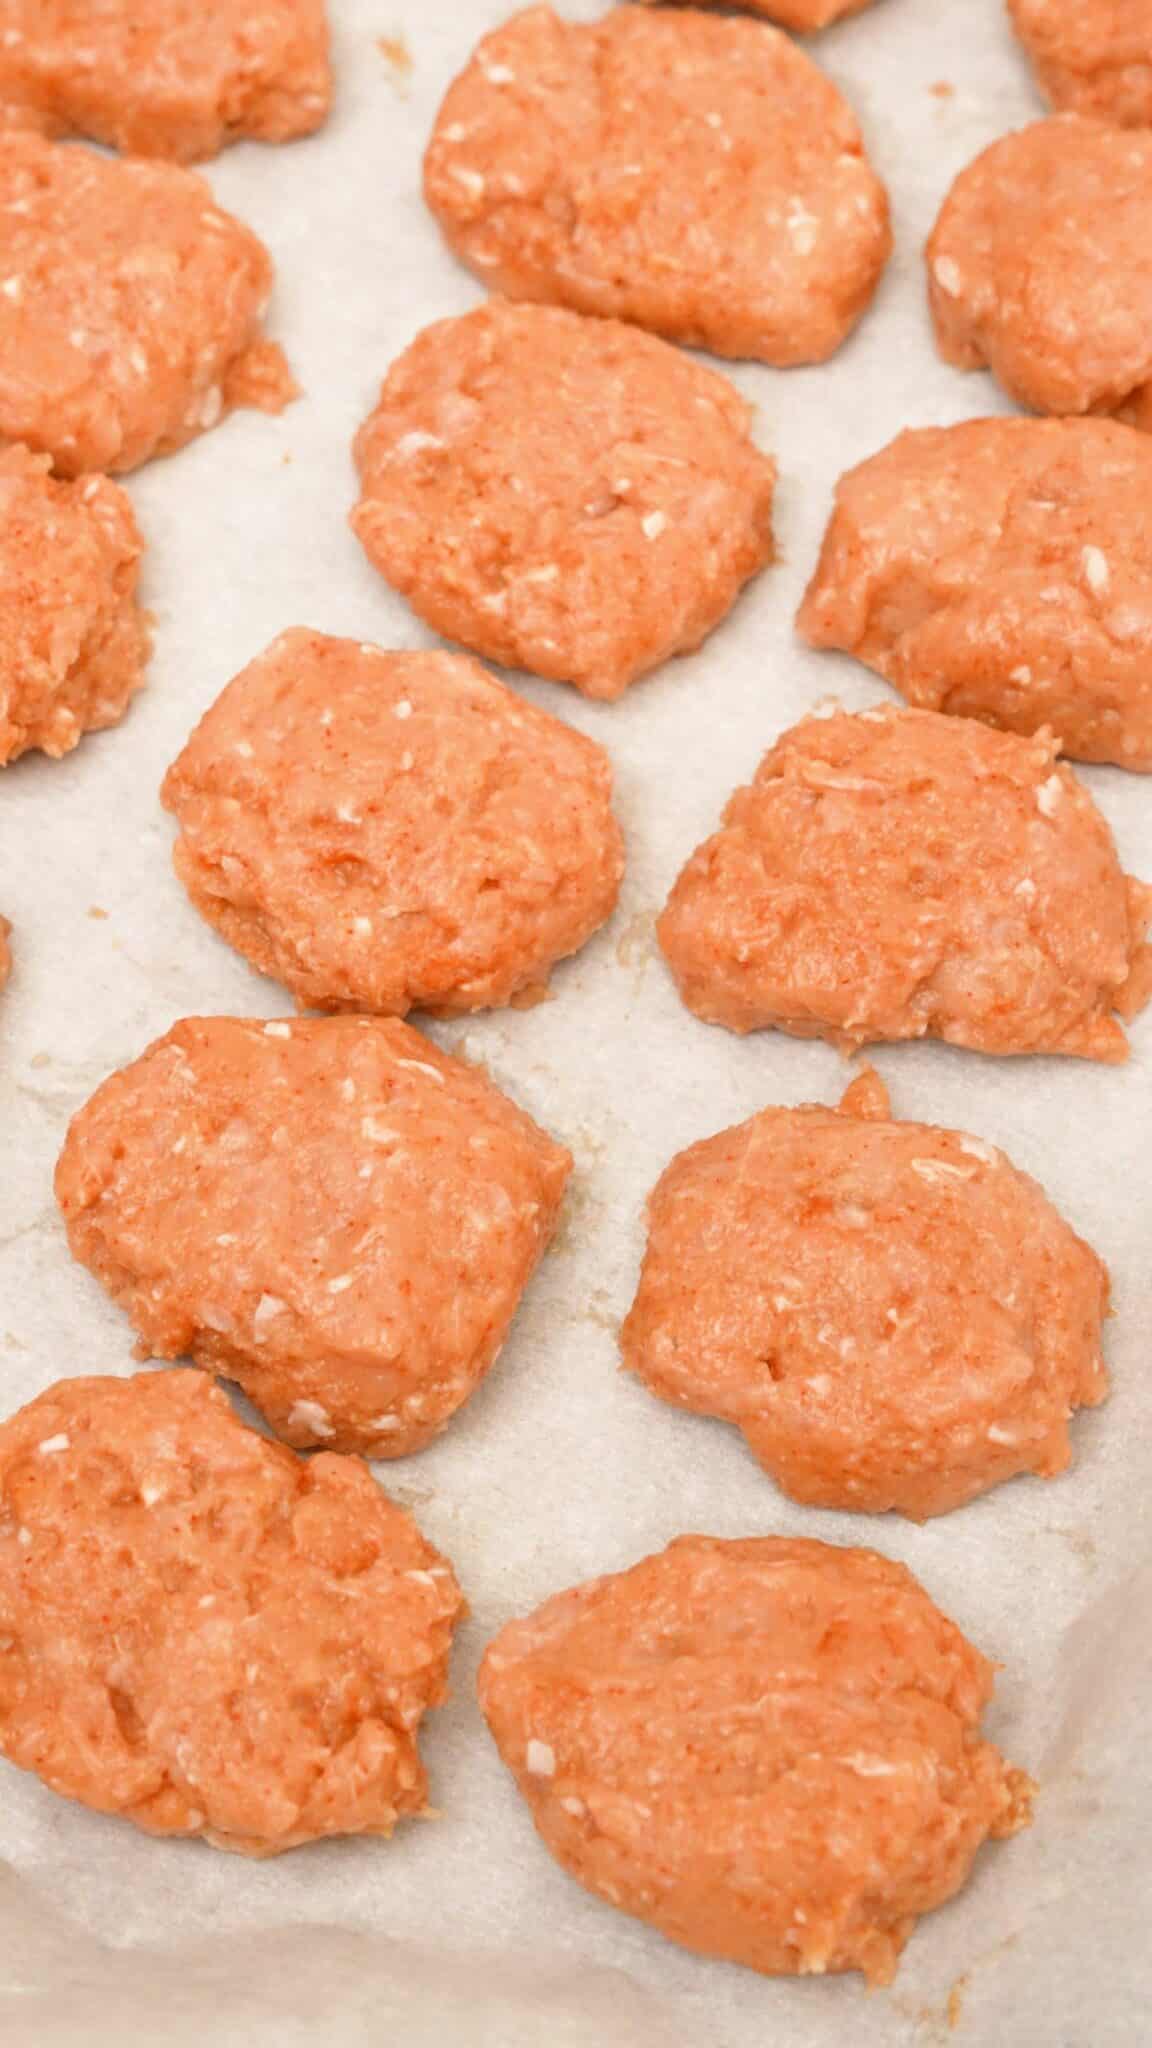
[[389, 831]]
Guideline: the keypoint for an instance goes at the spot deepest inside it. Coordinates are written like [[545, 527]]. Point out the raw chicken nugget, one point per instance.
[[695, 174], [1002, 569], [201, 1632], [171, 78], [563, 495], [1091, 56], [73, 641], [332, 1213], [5, 950], [130, 307], [802, 15], [1037, 268], [770, 1750], [899, 874], [387, 830], [892, 1313]]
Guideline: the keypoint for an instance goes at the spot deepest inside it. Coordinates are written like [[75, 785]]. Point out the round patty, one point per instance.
[[769, 1750], [170, 78], [1038, 270], [333, 1213], [900, 874], [691, 172], [1002, 569], [892, 1313], [382, 831], [563, 495], [203, 1633], [130, 307]]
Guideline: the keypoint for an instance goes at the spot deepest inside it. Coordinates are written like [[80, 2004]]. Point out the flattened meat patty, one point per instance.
[[562, 495], [170, 78], [5, 950], [1002, 569], [332, 1213], [201, 1632], [1038, 270], [892, 1313], [130, 308], [769, 1750], [1091, 56], [693, 173], [387, 830], [73, 641], [899, 874]]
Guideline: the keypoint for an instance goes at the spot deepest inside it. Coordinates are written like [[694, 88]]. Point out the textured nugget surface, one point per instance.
[[1091, 56], [694, 173], [1037, 268], [73, 641], [332, 1213], [892, 1313], [770, 1749], [561, 494], [1002, 569], [130, 307], [168, 78], [204, 1634], [387, 830], [900, 874]]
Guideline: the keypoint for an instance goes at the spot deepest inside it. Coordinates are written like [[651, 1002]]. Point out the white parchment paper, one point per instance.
[[463, 1931]]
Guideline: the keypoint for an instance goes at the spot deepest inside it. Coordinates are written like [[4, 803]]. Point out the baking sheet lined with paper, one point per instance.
[[461, 1928]]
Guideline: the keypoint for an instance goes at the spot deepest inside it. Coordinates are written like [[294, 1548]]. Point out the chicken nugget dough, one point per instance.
[[1037, 268], [170, 78], [562, 495], [73, 641], [892, 1313], [1091, 56], [130, 308], [1002, 569], [695, 174], [334, 1214], [201, 1632], [769, 1750], [387, 830], [899, 874], [802, 16]]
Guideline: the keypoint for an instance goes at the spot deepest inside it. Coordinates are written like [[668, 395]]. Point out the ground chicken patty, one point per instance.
[[332, 1213], [693, 173], [1091, 56], [899, 874], [73, 640], [382, 831], [892, 1313], [563, 495], [5, 950], [770, 1750], [1037, 268], [170, 78], [1002, 569], [130, 307], [201, 1632]]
